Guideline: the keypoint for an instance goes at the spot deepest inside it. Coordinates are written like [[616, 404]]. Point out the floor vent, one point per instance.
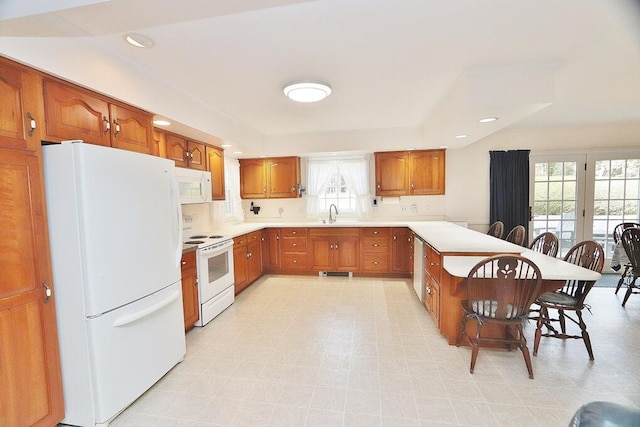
[[335, 274]]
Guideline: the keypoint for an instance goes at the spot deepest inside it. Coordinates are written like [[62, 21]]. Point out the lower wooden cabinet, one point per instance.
[[334, 249], [433, 278], [401, 250], [190, 303], [375, 252], [247, 260], [271, 248], [294, 249]]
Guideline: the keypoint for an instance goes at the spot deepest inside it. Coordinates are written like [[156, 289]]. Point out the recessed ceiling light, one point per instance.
[[237, 152], [307, 91], [138, 40], [226, 146], [462, 135], [488, 119], [161, 122]]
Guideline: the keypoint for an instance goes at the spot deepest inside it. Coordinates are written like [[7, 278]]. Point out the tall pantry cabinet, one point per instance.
[[31, 390]]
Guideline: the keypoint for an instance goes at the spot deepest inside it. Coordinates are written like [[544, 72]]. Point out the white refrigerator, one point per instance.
[[115, 235]]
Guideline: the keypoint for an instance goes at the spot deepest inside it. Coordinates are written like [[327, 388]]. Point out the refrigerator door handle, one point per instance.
[[130, 318], [175, 199]]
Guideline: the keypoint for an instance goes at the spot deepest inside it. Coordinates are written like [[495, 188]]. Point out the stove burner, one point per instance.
[[198, 237], [193, 242], [215, 236]]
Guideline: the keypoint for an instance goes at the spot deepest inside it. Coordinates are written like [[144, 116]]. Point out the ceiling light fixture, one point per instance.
[[488, 119], [138, 40], [226, 146], [462, 135], [307, 91]]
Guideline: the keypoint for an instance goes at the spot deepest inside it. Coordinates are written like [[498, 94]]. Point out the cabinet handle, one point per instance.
[[336, 246], [264, 189], [376, 262], [412, 185], [32, 124], [375, 232], [294, 244], [294, 232], [117, 127], [330, 246], [293, 188], [47, 291], [378, 186], [375, 245], [107, 125], [295, 261], [395, 237], [184, 262]]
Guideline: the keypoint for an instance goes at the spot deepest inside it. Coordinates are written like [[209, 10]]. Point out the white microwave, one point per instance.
[[194, 185]]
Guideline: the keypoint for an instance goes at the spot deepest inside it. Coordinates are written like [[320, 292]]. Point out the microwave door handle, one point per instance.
[[203, 186], [177, 207]]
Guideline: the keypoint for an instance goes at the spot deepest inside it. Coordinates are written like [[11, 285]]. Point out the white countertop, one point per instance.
[[449, 237], [550, 268]]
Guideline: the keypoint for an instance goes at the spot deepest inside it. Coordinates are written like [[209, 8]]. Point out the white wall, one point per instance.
[[468, 168]]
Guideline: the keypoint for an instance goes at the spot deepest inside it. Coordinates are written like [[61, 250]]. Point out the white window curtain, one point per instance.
[[233, 209], [318, 172], [356, 175]]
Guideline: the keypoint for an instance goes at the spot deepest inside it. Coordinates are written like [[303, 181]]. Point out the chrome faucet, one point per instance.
[[331, 218]]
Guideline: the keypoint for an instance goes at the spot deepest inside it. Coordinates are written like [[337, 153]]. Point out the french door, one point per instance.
[[581, 197]]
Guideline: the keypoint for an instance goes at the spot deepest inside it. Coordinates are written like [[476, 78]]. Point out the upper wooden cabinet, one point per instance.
[[186, 154], [21, 110], [215, 165], [405, 173], [277, 177], [75, 113]]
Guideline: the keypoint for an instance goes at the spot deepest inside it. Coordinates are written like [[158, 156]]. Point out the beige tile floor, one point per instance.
[[310, 351]]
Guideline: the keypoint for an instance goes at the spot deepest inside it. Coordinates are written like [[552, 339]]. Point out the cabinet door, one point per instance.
[[197, 155], [392, 173], [346, 254], [215, 165], [177, 150], [401, 250], [253, 179], [131, 129], [190, 303], [72, 113], [159, 144], [427, 172], [21, 114], [271, 254], [284, 176], [321, 253], [240, 271], [254, 262], [31, 391]]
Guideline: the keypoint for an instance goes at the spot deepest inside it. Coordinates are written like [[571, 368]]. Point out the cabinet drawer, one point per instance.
[[294, 244], [254, 236], [188, 261], [294, 261], [294, 232], [374, 232], [375, 244], [375, 262], [240, 240]]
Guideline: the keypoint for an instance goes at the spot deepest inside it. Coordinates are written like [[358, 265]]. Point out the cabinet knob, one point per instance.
[[184, 262], [375, 232], [117, 125], [378, 186], [47, 291], [295, 261], [376, 262], [375, 245], [294, 244]]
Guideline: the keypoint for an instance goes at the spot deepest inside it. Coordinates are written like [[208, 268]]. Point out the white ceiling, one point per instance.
[[434, 65]]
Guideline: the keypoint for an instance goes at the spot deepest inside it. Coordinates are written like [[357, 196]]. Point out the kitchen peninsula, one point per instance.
[[451, 251]]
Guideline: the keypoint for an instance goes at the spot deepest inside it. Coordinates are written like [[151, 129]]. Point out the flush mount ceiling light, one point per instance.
[[488, 119], [462, 135], [307, 91], [138, 40]]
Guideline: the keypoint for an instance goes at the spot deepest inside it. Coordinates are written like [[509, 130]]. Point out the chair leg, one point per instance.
[[630, 287], [621, 281], [563, 325], [463, 328], [474, 355], [536, 340], [585, 334], [525, 351]]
